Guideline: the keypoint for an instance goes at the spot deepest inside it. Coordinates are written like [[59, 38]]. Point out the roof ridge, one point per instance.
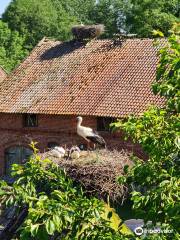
[[48, 39], [44, 40], [3, 69], [41, 42]]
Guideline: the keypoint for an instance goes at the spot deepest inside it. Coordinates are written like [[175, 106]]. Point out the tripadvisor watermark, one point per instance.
[[140, 230]]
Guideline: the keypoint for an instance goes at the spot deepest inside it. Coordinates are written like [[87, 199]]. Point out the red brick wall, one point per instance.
[[60, 129], [51, 128]]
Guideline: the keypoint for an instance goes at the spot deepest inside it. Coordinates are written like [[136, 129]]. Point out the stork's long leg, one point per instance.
[[88, 147]]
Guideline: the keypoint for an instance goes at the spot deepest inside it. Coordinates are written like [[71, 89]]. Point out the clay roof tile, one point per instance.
[[97, 78]]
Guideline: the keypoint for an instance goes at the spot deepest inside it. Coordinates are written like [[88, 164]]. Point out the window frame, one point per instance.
[[27, 118]]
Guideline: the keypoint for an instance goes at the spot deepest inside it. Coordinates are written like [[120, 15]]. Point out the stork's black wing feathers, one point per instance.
[[97, 139]]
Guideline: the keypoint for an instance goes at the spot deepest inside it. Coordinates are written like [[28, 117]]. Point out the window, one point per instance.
[[30, 120], [16, 154], [103, 123]]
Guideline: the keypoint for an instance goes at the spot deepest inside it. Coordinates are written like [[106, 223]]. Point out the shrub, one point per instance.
[[54, 206]]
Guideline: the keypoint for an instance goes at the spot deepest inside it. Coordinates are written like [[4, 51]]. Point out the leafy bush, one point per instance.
[[168, 72], [55, 206], [155, 191]]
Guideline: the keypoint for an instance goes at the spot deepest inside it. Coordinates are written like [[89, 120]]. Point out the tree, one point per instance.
[[81, 9], [146, 15], [11, 47], [155, 192], [36, 19], [111, 13]]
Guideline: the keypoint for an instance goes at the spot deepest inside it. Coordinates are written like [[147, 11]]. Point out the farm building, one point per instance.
[[101, 80]]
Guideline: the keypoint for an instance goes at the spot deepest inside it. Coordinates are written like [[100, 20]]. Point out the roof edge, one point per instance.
[[6, 72]]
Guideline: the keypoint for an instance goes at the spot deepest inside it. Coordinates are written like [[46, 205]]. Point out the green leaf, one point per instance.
[[157, 33], [50, 226], [34, 229], [177, 141], [57, 221]]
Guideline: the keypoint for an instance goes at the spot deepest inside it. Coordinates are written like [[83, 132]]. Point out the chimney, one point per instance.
[[83, 32]]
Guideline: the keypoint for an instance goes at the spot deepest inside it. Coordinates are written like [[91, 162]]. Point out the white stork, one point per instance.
[[89, 134]]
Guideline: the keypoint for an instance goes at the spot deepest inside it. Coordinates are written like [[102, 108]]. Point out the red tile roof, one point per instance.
[[97, 78], [3, 74]]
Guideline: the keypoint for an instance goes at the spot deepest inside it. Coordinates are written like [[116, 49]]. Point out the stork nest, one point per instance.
[[97, 172], [87, 31]]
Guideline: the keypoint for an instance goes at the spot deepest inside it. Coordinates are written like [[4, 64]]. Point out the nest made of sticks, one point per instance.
[[88, 31], [97, 172]]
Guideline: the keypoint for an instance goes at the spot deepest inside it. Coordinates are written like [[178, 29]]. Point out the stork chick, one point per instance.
[[58, 152], [89, 134], [75, 152]]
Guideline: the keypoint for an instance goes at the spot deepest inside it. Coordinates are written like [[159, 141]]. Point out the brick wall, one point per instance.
[[60, 129], [51, 128]]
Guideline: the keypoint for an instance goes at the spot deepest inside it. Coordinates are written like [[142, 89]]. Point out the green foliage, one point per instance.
[[111, 13], [146, 15], [11, 47], [158, 133], [55, 205], [155, 182], [36, 19], [168, 72], [135, 16], [79, 8], [156, 130]]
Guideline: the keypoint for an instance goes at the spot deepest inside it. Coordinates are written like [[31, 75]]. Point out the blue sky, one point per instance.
[[3, 5]]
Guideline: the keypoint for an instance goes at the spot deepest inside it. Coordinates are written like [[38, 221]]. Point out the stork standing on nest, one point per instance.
[[89, 134]]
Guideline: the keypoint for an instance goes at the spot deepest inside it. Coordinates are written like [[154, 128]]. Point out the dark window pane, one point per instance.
[[30, 120], [103, 123]]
